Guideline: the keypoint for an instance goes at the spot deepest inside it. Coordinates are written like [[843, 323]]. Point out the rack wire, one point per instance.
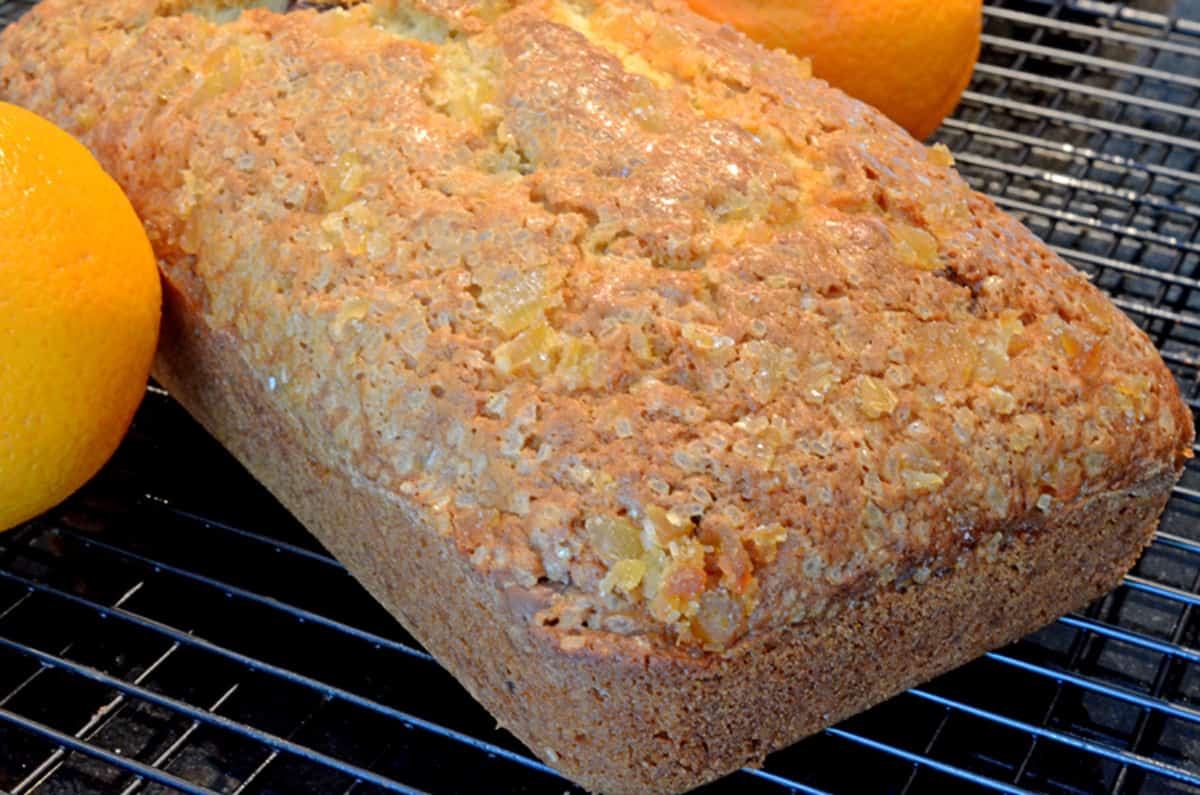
[[158, 635]]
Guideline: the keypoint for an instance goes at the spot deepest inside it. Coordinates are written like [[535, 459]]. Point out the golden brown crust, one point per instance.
[[654, 250], [613, 712], [599, 333], [622, 302]]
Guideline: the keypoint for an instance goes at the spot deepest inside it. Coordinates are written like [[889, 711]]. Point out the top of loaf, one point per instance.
[[650, 323]]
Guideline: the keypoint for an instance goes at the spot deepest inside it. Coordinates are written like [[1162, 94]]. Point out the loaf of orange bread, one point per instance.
[[679, 404]]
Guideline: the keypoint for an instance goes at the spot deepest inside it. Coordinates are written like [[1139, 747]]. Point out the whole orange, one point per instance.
[[912, 59], [79, 312]]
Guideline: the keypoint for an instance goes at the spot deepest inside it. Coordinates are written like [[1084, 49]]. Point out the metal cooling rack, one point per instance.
[[172, 628]]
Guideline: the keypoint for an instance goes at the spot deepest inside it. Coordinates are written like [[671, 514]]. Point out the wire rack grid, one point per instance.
[[158, 634]]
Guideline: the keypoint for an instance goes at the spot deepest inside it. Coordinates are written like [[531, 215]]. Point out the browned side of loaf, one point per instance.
[[619, 718]]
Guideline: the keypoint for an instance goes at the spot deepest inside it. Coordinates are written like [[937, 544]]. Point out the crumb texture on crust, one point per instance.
[[617, 713], [639, 315]]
